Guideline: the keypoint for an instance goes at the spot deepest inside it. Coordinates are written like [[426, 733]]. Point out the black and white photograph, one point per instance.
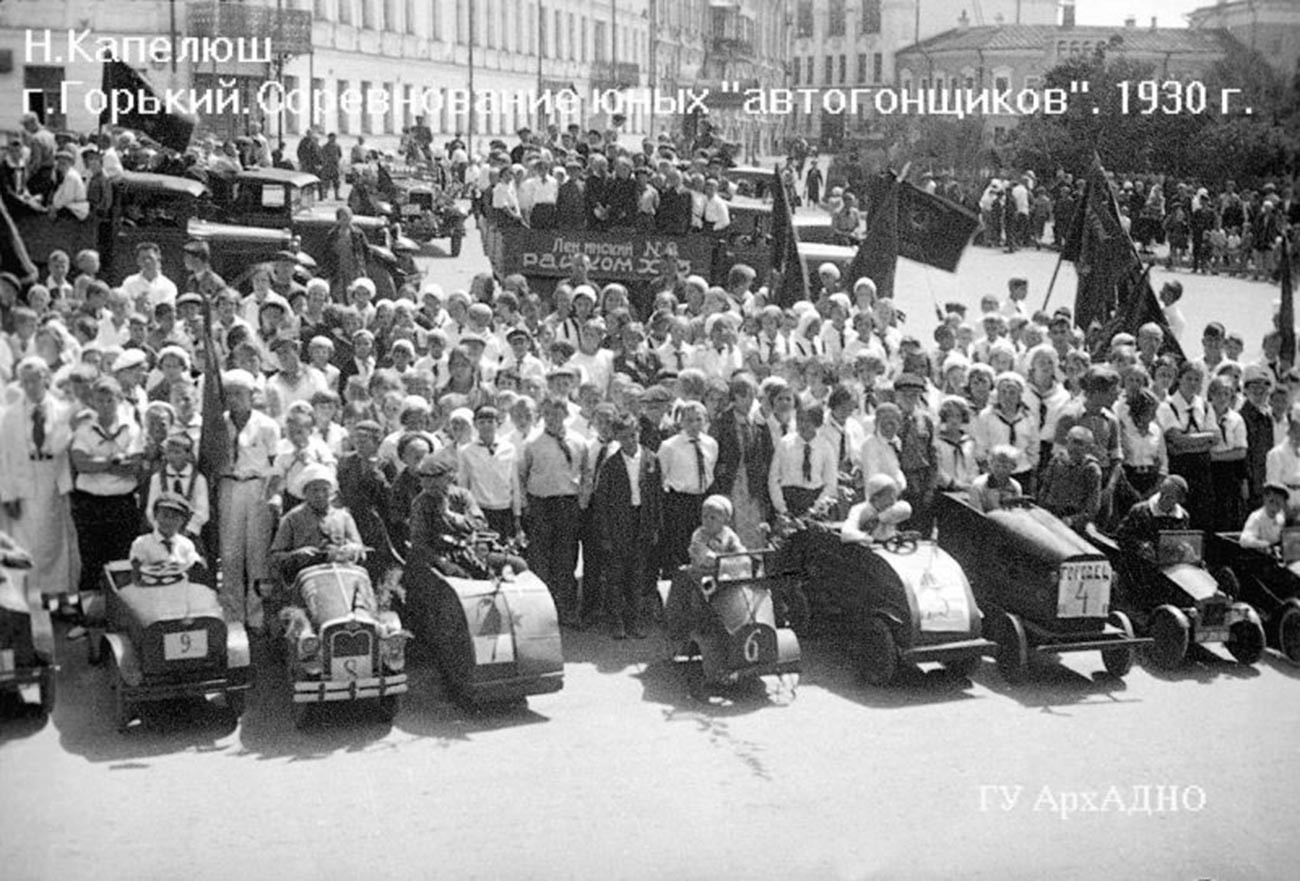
[[626, 440]]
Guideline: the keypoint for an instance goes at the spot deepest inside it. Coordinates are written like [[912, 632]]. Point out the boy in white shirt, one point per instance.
[[1263, 529], [880, 450], [164, 555]]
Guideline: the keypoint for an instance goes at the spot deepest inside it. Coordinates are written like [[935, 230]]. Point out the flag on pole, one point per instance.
[[877, 256], [1102, 253], [125, 90], [1286, 317], [785, 248], [13, 251], [214, 438], [1139, 306], [931, 229]]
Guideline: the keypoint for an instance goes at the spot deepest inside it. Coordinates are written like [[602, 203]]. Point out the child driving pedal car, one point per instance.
[[166, 555]]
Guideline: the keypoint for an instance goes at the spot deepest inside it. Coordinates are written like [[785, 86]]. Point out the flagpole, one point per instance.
[[1051, 284]]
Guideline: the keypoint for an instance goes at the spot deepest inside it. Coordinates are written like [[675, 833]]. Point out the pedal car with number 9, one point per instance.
[[1174, 598], [341, 642], [725, 616], [899, 602], [1044, 588], [164, 638]]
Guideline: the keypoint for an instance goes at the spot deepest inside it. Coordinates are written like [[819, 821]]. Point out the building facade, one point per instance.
[[853, 43], [1272, 27], [1011, 58]]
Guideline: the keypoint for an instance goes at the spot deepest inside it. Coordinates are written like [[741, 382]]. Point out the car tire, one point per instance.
[[388, 707], [302, 715], [1013, 648], [456, 241], [236, 702], [1172, 634], [1246, 639], [878, 657], [1287, 630], [123, 712], [1228, 581], [47, 691], [96, 649], [1119, 661]]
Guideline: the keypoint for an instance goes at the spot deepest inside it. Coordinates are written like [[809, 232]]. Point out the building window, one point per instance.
[[794, 71], [462, 21], [390, 116], [572, 49], [1002, 84], [598, 47], [829, 73], [559, 18], [582, 31], [844, 69], [435, 19], [367, 127], [1033, 82], [835, 18], [870, 16], [317, 87], [345, 124], [407, 114], [321, 10], [862, 67], [389, 12], [541, 31], [877, 66], [804, 19], [490, 10], [369, 14], [292, 124], [532, 29]]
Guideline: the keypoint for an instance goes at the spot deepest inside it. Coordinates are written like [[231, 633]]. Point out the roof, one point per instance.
[[279, 176], [1010, 38], [143, 180]]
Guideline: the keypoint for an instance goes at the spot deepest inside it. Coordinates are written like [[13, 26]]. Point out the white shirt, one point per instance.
[[718, 363], [196, 495], [1261, 530], [1177, 323], [491, 476], [787, 468], [599, 368], [1231, 431], [1143, 450], [161, 290], [680, 467], [991, 428], [848, 437], [633, 465], [123, 439], [1283, 466], [151, 550], [669, 354], [716, 214], [71, 194], [1175, 411], [880, 456]]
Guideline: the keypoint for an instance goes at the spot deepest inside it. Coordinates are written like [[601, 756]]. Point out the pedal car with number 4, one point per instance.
[[341, 642], [899, 602], [164, 638], [725, 616], [27, 659], [1174, 598], [1044, 588], [1267, 579], [494, 632]]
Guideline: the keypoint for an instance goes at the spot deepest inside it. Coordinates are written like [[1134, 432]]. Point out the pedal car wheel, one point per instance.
[[1228, 582], [1246, 639], [122, 710], [47, 691], [1288, 630], [877, 652], [302, 715], [1172, 634], [388, 707], [236, 701], [1013, 648], [792, 608], [1119, 661]]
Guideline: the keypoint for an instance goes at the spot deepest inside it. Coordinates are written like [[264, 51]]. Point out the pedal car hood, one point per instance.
[[173, 602], [1192, 580], [1042, 535]]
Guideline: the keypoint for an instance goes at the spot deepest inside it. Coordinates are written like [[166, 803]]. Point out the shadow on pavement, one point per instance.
[[827, 664], [1049, 684], [1278, 662], [597, 647], [19, 719], [1203, 665]]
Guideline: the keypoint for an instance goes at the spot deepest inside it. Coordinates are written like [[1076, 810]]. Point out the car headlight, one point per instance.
[[308, 647], [393, 651]]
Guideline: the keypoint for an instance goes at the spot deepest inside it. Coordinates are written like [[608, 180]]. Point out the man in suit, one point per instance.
[[628, 512], [365, 487], [1259, 428]]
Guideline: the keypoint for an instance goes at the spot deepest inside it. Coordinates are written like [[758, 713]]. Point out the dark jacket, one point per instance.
[[620, 524], [596, 193], [623, 197], [1259, 440], [571, 205], [755, 441], [674, 215], [365, 489]]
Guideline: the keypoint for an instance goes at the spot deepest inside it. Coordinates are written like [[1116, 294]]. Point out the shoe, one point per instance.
[[77, 632], [619, 632]]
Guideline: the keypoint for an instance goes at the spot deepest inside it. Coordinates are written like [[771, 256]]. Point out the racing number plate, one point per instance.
[[185, 645], [1084, 590]]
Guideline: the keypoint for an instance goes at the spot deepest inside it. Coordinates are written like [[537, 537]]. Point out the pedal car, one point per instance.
[[1269, 581], [1045, 589], [495, 636], [164, 639], [903, 601], [341, 645], [1174, 598], [725, 616], [26, 633]]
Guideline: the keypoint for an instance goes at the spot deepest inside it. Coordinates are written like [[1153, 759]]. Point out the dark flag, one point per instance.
[[1100, 250], [1286, 317], [169, 129], [933, 230], [785, 248], [1139, 306], [13, 251], [214, 438], [878, 254]]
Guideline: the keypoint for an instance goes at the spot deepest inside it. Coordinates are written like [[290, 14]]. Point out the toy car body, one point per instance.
[[496, 639], [726, 616], [1045, 589], [904, 601], [167, 639], [1269, 581], [340, 645], [26, 636], [1179, 603]]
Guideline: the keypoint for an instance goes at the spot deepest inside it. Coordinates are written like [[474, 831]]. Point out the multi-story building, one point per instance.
[[848, 43], [1009, 58], [1272, 27]]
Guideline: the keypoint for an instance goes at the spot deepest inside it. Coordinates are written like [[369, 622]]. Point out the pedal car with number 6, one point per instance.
[[1044, 588], [494, 632], [27, 659], [1267, 579], [725, 616], [341, 641], [164, 638], [1174, 598], [899, 602]]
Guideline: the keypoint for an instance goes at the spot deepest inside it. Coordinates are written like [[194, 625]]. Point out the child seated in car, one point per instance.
[[1263, 529], [714, 536], [991, 491], [166, 555], [877, 518]]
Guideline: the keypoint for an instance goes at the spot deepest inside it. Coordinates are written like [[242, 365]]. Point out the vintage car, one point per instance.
[[1268, 580], [427, 213], [751, 181], [165, 639], [164, 209], [496, 639], [899, 602], [726, 617], [26, 633], [1177, 601], [341, 645], [1045, 589]]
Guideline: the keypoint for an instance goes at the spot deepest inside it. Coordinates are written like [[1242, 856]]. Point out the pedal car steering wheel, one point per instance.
[[1019, 502], [902, 541]]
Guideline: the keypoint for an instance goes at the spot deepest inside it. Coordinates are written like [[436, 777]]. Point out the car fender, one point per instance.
[[124, 654], [237, 650], [1195, 581], [43, 635]]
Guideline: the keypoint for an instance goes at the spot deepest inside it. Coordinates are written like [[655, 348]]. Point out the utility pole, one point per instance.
[[469, 123]]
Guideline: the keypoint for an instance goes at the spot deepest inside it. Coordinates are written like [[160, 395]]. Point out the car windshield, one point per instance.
[[1181, 546], [306, 196], [333, 592]]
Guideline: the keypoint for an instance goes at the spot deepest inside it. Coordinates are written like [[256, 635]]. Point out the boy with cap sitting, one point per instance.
[[1071, 483], [1263, 529], [165, 556]]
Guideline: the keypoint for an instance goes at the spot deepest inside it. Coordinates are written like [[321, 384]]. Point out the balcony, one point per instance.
[[289, 30], [615, 75], [732, 47]]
